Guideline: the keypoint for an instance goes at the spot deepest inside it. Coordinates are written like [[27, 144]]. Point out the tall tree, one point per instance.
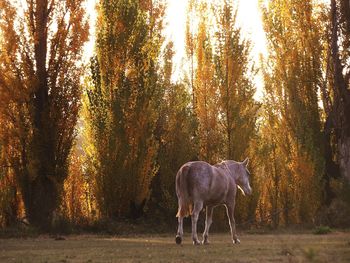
[[292, 80], [234, 71], [176, 144], [123, 104], [40, 86], [233, 76], [337, 100], [206, 92]]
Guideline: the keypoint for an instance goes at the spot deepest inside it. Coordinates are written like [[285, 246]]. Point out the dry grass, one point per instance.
[[333, 247]]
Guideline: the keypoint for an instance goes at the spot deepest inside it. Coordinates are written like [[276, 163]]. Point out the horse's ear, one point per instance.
[[245, 162]]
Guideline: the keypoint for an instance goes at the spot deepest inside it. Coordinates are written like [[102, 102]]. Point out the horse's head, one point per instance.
[[243, 178]]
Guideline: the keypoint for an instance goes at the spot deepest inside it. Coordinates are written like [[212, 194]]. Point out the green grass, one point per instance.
[[334, 247], [322, 230]]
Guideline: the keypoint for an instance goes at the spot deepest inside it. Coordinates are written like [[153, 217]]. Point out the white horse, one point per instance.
[[200, 184]]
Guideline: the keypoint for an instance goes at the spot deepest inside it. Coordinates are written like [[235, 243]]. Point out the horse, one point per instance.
[[200, 184]]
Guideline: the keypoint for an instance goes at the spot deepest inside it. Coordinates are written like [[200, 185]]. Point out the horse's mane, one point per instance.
[[220, 164]]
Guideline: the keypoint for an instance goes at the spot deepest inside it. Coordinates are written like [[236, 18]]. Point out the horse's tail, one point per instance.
[[185, 203]]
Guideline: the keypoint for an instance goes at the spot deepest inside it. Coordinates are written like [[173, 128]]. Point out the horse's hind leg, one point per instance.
[[195, 214], [208, 221], [180, 231]]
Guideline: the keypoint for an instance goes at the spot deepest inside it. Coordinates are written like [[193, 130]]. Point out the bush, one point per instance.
[[322, 230]]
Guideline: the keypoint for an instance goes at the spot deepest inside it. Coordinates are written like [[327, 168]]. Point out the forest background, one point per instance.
[[85, 144]]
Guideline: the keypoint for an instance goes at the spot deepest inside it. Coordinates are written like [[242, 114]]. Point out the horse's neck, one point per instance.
[[233, 175]]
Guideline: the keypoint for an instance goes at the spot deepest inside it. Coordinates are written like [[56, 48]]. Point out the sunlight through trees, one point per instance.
[[85, 143]]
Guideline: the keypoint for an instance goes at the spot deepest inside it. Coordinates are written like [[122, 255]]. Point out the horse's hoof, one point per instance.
[[236, 241], [178, 240], [196, 242], [205, 240]]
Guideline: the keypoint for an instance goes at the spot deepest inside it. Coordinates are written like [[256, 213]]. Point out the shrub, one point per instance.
[[322, 230]]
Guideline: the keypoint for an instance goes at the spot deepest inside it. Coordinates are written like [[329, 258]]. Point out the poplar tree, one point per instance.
[[337, 97], [173, 132], [206, 92], [234, 72], [41, 44], [123, 104], [292, 81], [233, 76]]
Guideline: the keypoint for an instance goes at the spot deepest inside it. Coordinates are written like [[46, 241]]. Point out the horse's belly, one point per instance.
[[215, 195], [214, 199]]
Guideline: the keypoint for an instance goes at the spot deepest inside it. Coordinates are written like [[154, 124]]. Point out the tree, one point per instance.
[[76, 200], [292, 80], [233, 73], [238, 109], [206, 93], [338, 102], [176, 144], [40, 85], [123, 104]]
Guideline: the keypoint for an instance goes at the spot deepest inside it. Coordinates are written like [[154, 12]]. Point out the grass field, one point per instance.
[[334, 247]]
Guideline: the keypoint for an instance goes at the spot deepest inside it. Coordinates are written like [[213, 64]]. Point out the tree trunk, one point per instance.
[[43, 201], [344, 160], [41, 184], [341, 106]]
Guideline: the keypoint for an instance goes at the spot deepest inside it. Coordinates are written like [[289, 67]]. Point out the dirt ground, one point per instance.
[[334, 247]]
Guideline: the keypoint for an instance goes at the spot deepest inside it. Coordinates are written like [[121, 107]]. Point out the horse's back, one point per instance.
[[204, 181]]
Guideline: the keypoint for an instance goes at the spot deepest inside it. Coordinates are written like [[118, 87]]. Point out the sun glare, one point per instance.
[[249, 19]]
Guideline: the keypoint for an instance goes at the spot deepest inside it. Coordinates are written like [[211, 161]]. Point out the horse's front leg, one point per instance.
[[195, 214], [230, 211], [208, 221]]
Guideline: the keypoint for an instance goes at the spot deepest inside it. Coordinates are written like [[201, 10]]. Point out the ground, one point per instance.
[[333, 247]]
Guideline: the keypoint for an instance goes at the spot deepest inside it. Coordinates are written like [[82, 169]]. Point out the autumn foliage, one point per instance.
[[103, 140], [40, 90]]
